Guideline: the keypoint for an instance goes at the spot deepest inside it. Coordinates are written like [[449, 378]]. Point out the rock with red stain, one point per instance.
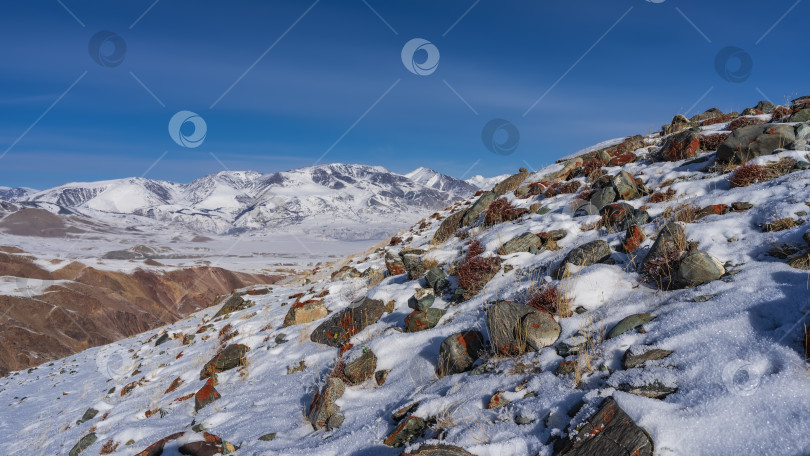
[[623, 159], [633, 239], [305, 312], [156, 449], [439, 450], [230, 357], [503, 321], [394, 265], [714, 209], [175, 384], [381, 376], [538, 330], [626, 186], [409, 428], [345, 273], [621, 216], [420, 320], [206, 395], [609, 431], [498, 400], [681, 146], [344, 324], [458, 352], [323, 412], [361, 368]]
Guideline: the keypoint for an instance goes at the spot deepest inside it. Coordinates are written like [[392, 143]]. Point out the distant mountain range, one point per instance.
[[333, 200]]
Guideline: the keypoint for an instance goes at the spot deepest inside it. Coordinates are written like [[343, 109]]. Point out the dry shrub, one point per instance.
[[744, 122], [592, 169], [476, 272], [713, 142], [500, 211], [545, 299], [474, 250], [395, 241], [559, 188], [748, 174], [661, 271], [781, 225], [660, 197], [687, 213], [108, 447]]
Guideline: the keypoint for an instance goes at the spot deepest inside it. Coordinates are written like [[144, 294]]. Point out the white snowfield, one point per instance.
[[743, 387]]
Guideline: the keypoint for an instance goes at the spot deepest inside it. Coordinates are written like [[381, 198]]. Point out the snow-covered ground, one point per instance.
[[742, 385]]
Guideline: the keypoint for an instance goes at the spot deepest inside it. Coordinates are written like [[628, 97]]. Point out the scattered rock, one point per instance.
[[420, 320], [206, 395], [345, 273], [337, 331], [539, 330], [89, 414], [381, 376], [503, 321], [305, 312], [268, 437], [670, 238], [633, 239], [603, 197], [699, 267], [436, 278], [802, 115], [458, 352], [621, 216], [413, 264], [610, 431], [631, 360], [483, 202], [765, 106], [625, 186], [630, 323], [361, 368], [398, 415], [162, 339], [509, 184], [498, 400], [439, 450], [411, 427], [655, 390], [681, 146], [156, 449], [522, 243], [422, 299], [754, 141], [230, 357], [588, 254], [233, 304], [83, 444], [323, 405]]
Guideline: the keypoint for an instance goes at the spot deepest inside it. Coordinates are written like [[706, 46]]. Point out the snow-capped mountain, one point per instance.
[[485, 183], [9, 194], [443, 182], [355, 200]]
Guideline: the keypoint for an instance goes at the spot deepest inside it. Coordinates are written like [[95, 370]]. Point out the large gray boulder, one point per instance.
[[522, 243], [753, 141], [670, 238], [588, 254], [503, 322]]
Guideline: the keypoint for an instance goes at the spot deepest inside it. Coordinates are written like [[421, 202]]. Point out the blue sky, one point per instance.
[[327, 76]]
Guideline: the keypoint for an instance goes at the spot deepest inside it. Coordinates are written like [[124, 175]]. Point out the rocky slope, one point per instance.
[[49, 314], [646, 297]]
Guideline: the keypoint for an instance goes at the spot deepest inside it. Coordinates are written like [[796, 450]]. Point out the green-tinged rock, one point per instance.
[[268, 437], [420, 320], [89, 414], [409, 428], [162, 339], [83, 444], [362, 368], [630, 323], [422, 299], [632, 360]]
